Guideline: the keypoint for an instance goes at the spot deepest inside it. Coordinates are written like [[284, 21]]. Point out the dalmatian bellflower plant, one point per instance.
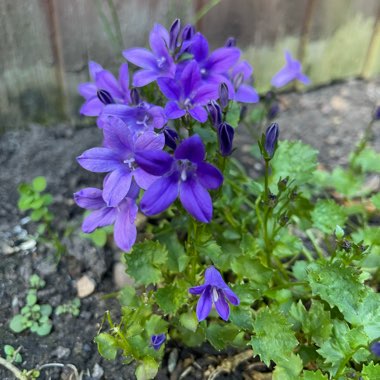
[[220, 257]]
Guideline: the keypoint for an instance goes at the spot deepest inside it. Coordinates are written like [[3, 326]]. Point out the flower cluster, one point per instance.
[[148, 140]]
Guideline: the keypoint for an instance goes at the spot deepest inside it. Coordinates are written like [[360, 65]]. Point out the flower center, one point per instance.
[[143, 118], [215, 295], [131, 163], [203, 71], [161, 62], [186, 168]]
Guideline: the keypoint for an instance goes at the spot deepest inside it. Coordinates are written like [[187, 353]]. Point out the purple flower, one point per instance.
[[213, 67], [141, 118], [271, 137], [157, 341], [214, 291], [223, 95], [156, 63], [105, 86], [171, 138], [225, 137], [230, 42], [185, 175], [240, 90], [174, 33], [215, 113], [187, 95], [375, 348], [123, 215], [117, 157], [290, 72]]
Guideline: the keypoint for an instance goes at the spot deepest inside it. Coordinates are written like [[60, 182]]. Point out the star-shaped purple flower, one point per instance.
[[123, 215], [185, 175], [290, 72], [117, 157], [188, 94], [156, 63], [241, 91], [157, 341], [214, 291], [104, 86]]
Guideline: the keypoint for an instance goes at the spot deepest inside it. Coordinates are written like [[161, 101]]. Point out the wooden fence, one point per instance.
[[45, 44]]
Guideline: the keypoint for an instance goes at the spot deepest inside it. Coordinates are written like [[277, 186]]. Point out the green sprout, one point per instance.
[[72, 307], [11, 354]]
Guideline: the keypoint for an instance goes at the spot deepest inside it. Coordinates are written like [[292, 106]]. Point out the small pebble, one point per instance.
[[85, 286]]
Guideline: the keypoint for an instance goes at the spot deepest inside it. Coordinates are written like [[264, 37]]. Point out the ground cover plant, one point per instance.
[[286, 264]]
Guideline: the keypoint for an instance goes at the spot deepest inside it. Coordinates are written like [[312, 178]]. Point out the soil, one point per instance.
[[331, 119]]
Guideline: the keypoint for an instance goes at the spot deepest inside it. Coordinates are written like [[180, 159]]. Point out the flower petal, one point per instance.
[[99, 218], [198, 113], [154, 162], [246, 94], [190, 78], [198, 289], [231, 296], [144, 179], [87, 90], [205, 94], [204, 304], [221, 306], [173, 110], [124, 78], [116, 186], [170, 88], [141, 57], [89, 198], [150, 140], [283, 77], [199, 47], [99, 160], [158, 116], [222, 59], [94, 68], [125, 231], [196, 200], [159, 40], [209, 176], [303, 78], [144, 77], [160, 195], [106, 81], [214, 278], [117, 136], [92, 107], [191, 149]]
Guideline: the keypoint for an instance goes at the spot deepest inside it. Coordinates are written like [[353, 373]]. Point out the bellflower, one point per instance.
[[225, 138], [213, 67], [241, 91], [214, 291], [156, 63], [188, 94], [104, 89], [185, 175], [122, 215], [157, 341], [290, 72], [117, 157], [271, 137], [140, 118]]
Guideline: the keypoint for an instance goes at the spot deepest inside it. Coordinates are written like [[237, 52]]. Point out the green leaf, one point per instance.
[[37, 215], [46, 310], [368, 160], [326, 215], [242, 317], [177, 258], [44, 329], [257, 114], [146, 261], [340, 287], [39, 184], [375, 199], [172, 297], [8, 350], [156, 325], [289, 369], [107, 346], [207, 135], [17, 323], [127, 296], [147, 369], [31, 298], [287, 245], [294, 159], [274, 338], [221, 335], [310, 375], [24, 203], [252, 269], [36, 282], [189, 321], [98, 237], [371, 371], [233, 114]]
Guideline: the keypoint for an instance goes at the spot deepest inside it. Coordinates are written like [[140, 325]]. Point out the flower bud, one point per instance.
[[271, 137], [230, 42], [223, 95], [171, 138], [376, 115], [225, 137], [339, 232], [215, 113], [105, 97], [273, 111], [157, 341], [282, 183], [135, 97], [375, 348], [174, 33], [188, 32]]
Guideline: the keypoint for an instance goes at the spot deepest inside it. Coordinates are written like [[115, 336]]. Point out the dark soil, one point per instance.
[[332, 119]]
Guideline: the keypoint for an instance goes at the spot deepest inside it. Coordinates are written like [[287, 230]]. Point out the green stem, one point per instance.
[[266, 215], [10, 367], [313, 240]]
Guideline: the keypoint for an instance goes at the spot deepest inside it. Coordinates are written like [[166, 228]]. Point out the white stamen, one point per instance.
[[215, 295], [183, 175], [203, 71]]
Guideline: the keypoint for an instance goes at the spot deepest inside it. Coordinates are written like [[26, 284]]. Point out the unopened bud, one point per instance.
[[215, 113], [376, 114], [174, 33], [223, 95], [271, 137], [105, 97], [135, 97], [171, 138], [230, 42], [226, 137], [339, 232], [188, 32], [273, 111], [282, 183]]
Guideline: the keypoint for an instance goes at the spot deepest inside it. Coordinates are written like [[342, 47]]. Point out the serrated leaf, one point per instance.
[[274, 338], [147, 369], [177, 258], [146, 261], [172, 297], [156, 325], [340, 287], [189, 321], [107, 346], [233, 114], [317, 375], [371, 371], [294, 159], [368, 160], [39, 184], [287, 245], [252, 269], [326, 215], [289, 369], [221, 335], [127, 296], [242, 317]]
